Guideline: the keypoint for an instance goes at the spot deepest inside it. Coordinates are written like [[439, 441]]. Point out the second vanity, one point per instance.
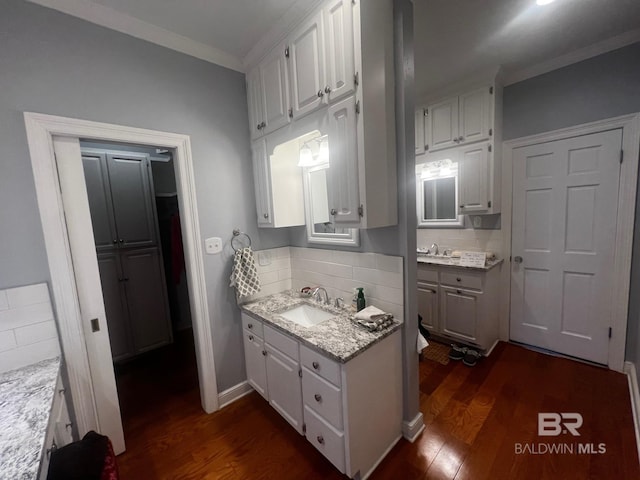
[[460, 304], [337, 384]]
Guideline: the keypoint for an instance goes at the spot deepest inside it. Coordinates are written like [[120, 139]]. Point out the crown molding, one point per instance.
[[114, 20], [608, 45]]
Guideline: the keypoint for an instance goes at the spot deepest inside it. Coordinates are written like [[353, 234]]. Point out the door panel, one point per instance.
[[275, 91], [459, 313], [262, 183], [131, 193], [285, 387], [564, 221], [339, 48], [442, 124], [473, 172], [254, 94], [428, 305], [146, 297], [475, 115], [255, 363], [115, 305], [102, 221], [419, 130]]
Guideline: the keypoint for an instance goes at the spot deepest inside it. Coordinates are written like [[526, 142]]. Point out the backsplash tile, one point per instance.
[[28, 332]]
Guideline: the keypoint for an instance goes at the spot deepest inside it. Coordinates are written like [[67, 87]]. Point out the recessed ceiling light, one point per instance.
[[544, 2]]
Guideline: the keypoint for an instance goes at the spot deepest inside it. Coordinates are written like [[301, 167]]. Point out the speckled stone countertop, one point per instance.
[[338, 338], [455, 263], [26, 398]]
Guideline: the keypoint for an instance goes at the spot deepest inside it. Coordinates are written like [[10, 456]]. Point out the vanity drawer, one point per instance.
[[326, 439], [322, 397], [285, 344], [462, 279], [320, 365], [252, 325], [427, 273]]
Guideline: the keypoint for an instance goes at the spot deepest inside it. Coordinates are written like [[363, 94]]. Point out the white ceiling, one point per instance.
[[456, 38], [453, 38]]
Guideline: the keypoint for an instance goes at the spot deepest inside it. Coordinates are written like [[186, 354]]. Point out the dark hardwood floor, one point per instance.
[[474, 418]]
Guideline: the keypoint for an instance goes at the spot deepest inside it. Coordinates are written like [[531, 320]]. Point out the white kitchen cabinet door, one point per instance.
[[339, 51], [428, 305], [255, 103], [344, 197], [285, 387], [274, 85], [254, 357], [475, 116], [442, 124], [100, 204], [307, 66], [146, 298], [262, 184], [459, 313], [115, 305], [131, 195], [473, 178], [419, 127]]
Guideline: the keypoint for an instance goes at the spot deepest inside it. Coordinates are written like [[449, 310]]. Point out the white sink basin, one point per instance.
[[306, 315]]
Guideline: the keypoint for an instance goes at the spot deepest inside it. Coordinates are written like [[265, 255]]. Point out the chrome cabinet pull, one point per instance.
[[316, 365], [318, 397], [320, 439], [334, 211], [320, 94], [327, 89], [251, 337], [518, 259], [264, 352]]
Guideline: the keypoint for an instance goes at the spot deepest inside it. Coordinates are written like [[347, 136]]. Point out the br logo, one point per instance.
[[554, 424]]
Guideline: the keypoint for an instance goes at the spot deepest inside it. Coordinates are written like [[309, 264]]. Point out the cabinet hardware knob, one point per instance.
[[264, 352], [433, 291], [121, 240], [68, 425], [251, 337], [320, 439], [316, 365], [266, 215], [115, 241], [327, 89], [334, 211], [318, 397], [461, 139], [320, 94], [263, 124], [458, 279], [61, 391], [458, 292], [259, 126], [250, 325], [517, 259]]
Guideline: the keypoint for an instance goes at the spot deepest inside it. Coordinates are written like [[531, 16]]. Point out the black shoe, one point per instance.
[[457, 352], [471, 358]]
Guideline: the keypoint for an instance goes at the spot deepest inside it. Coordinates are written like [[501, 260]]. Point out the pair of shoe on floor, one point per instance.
[[469, 356]]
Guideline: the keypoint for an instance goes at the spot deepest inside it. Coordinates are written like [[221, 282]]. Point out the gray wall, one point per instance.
[[601, 87], [56, 64]]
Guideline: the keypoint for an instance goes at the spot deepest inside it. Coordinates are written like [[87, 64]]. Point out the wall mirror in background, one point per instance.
[[437, 194]]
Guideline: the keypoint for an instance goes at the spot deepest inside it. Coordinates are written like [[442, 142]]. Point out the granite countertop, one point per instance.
[[26, 397], [455, 262], [338, 338]]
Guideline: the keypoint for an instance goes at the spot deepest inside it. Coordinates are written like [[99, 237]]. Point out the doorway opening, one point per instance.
[[135, 216]]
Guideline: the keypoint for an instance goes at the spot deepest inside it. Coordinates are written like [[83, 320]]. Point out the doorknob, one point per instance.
[[517, 259]]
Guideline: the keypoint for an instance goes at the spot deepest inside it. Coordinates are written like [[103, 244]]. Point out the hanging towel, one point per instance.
[[244, 275]]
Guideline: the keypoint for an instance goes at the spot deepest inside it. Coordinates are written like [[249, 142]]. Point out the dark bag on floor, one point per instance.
[[91, 458]]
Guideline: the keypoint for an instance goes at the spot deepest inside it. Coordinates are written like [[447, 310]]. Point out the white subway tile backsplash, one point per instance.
[[388, 263], [4, 302], [268, 277], [18, 317], [29, 295], [22, 356], [7, 340], [36, 333], [378, 277]]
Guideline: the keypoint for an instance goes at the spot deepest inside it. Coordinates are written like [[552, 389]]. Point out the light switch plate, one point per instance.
[[213, 245]]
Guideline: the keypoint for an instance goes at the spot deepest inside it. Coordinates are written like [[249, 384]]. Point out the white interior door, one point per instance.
[[565, 200], [87, 276]]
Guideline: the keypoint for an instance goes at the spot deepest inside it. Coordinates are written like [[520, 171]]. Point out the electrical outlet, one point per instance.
[[264, 258], [213, 245], [477, 222]]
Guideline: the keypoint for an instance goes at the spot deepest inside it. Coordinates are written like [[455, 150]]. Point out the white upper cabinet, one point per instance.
[[254, 100], [274, 83], [420, 136], [339, 53], [459, 120], [262, 183], [307, 66], [474, 179], [344, 198]]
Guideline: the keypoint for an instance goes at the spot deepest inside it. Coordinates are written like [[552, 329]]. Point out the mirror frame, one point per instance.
[[457, 222]]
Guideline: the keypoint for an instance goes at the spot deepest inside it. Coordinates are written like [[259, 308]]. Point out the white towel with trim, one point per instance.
[[244, 275]]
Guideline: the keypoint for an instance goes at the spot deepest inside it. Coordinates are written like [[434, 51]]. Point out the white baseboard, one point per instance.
[[634, 392], [234, 393], [412, 430]]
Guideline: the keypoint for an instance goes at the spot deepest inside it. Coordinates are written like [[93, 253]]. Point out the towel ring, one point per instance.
[[236, 234]]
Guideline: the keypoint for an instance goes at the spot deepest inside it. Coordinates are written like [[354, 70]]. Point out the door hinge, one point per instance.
[[426, 112], [95, 325], [490, 132], [426, 147], [489, 148], [300, 372], [361, 210], [358, 107], [609, 332], [286, 52], [304, 428], [489, 204], [621, 155], [290, 112], [356, 79], [490, 90]]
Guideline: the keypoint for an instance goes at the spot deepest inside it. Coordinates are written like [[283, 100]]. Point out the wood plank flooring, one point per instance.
[[474, 418]]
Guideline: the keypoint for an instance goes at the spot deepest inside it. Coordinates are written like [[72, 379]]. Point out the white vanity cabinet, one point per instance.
[[460, 304], [59, 430], [328, 402]]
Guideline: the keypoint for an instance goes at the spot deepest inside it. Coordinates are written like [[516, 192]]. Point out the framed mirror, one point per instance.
[[437, 195]]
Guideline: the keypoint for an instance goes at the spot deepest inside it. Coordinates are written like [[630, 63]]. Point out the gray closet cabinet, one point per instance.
[[120, 191]]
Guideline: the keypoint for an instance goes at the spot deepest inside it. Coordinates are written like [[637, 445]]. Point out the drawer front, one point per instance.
[[252, 325], [286, 345], [322, 397], [462, 279], [427, 274], [326, 439], [320, 365]]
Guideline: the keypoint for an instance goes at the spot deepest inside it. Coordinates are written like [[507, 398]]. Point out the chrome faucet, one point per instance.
[[433, 249], [339, 302], [316, 294]]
